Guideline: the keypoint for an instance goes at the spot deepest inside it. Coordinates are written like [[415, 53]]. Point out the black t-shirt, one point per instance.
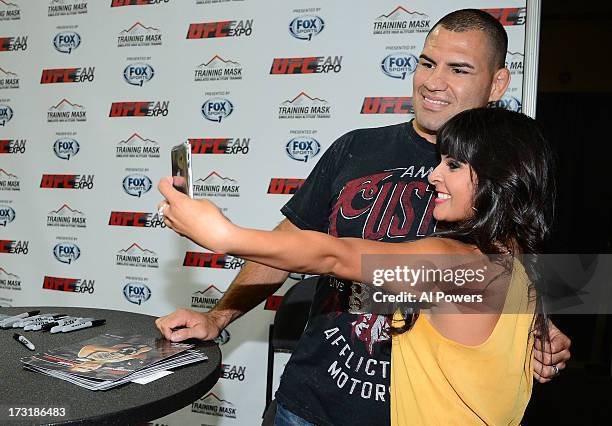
[[371, 183]]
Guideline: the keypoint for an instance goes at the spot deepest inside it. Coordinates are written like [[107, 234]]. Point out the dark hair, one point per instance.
[[474, 19], [515, 190]]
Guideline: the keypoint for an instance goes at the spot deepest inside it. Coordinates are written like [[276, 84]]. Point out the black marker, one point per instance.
[[25, 342], [8, 322], [81, 325]]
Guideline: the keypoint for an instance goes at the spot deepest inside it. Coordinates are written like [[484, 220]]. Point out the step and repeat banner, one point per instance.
[[93, 95]]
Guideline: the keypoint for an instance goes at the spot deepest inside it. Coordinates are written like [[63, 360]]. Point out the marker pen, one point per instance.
[[37, 325], [68, 321], [35, 319], [8, 322], [82, 325], [24, 320], [62, 321], [25, 342]]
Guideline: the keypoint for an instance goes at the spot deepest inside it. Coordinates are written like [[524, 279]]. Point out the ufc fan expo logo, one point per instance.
[[136, 219], [220, 146], [212, 260], [13, 44], [67, 181], [66, 41], [69, 285], [67, 75], [140, 109], [308, 65], [306, 27], [119, 3], [284, 185], [242, 28], [14, 246], [387, 105], [13, 146], [509, 16]]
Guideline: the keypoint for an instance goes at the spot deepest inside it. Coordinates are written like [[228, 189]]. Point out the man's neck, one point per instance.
[[428, 135]]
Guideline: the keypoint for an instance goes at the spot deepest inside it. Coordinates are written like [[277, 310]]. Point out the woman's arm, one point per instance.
[[296, 251]]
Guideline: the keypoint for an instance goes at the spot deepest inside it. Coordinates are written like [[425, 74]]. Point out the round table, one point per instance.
[[128, 404]]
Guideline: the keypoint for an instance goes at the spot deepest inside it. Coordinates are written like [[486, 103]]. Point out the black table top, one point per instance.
[[127, 404]]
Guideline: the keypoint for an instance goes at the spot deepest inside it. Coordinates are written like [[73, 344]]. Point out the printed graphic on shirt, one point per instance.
[[374, 372], [385, 203]]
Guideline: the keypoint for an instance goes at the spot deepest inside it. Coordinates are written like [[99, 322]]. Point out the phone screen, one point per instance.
[[181, 168]]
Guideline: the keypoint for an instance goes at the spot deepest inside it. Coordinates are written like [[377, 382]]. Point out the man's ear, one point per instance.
[[501, 80]]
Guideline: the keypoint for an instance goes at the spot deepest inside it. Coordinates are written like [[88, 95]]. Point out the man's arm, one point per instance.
[[253, 284]]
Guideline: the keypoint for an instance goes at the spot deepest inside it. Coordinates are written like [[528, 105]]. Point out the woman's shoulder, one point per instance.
[[440, 245]]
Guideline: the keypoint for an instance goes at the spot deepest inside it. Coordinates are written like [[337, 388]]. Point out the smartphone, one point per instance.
[[181, 168]]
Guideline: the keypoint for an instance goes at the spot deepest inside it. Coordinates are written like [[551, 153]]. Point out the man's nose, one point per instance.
[[436, 80]]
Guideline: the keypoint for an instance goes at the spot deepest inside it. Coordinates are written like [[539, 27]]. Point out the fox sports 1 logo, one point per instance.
[[508, 102], [399, 65], [136, 293], [136, 185], [66, 41], [216, 109], [302, 148], [306, 27], [66, 252], [65, 148], [7, 215], [138, 74], [6, 113]]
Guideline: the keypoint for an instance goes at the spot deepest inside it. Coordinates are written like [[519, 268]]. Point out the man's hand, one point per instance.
[[546, 355], [197, 325]]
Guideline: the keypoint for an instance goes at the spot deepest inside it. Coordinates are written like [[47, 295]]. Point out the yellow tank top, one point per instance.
[[437, 381]]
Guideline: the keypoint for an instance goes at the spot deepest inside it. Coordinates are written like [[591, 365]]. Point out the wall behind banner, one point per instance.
[[93, 94]]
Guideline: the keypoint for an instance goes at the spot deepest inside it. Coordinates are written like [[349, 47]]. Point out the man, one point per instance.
[[371, 183]]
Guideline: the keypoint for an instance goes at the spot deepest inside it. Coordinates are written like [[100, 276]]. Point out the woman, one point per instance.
[[495, 193]]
